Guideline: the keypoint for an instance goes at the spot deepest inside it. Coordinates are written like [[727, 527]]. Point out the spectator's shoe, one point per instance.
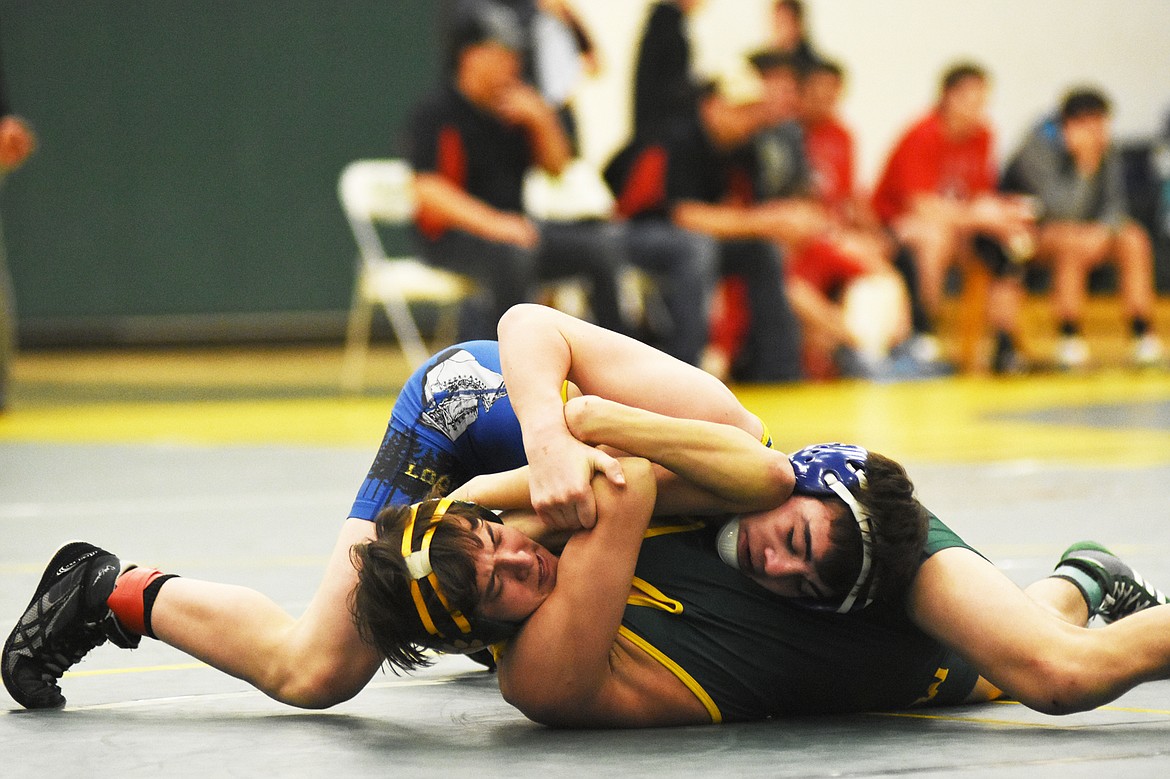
[[1072, 353], [66, 618], [1147, 351], [1008, 361], [925, 348], [1126, 592]]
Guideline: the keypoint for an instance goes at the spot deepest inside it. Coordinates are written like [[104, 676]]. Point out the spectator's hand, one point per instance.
[[16, 142], [560, 482], [515, 229], [795, 221], [522, 105]]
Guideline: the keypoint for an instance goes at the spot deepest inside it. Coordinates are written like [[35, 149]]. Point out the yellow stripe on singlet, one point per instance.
[[662, 530], [677, 670], [651, 597]]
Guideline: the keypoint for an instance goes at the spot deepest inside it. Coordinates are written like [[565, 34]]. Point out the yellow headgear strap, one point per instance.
[[418, 562]]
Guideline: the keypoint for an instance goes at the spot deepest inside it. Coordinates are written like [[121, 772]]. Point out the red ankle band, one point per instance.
[[127, 600]]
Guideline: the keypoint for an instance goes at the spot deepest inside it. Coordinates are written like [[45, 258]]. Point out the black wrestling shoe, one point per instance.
[[1126, 592], [66, 618]]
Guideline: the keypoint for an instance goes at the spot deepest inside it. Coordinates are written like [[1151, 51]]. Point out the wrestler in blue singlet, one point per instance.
[[452, 420]]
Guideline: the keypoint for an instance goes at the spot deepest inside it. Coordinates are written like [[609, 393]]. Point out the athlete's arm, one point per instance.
[[507, 492], [557, 669], [721, 468], [540, 348], [1033, 655]]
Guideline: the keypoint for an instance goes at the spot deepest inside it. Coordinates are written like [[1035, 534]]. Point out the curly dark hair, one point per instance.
[[898, 528], [382, 604]]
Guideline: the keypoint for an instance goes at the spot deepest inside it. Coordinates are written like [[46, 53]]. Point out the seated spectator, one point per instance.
[[790, 35], [471, 144], [558, 51], [852, 304], [691, 182], [680, 129], [667, 94], [1069, 165], [937, 196]]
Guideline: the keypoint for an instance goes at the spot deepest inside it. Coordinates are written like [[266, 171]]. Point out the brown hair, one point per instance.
[[383, 604], [960, 72], [898, 525]]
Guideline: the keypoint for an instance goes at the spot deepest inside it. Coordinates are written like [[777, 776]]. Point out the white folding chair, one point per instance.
[[373, 192]]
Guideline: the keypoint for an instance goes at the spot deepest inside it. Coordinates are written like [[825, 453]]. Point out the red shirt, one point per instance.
[[829, 146], [926, 161]]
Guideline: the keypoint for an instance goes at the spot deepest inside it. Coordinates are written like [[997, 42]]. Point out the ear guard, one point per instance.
[[838, 470], [451, 631]]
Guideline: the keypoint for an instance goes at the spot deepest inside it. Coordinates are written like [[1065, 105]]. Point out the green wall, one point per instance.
[[189, 152]]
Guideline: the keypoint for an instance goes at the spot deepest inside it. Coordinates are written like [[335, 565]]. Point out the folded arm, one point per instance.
[[540, 348], [557, 669], [706, 467]]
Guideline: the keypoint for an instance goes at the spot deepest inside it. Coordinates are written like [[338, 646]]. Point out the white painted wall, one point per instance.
[[895, 50]]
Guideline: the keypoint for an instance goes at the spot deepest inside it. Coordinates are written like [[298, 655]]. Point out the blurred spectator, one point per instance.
[[694, 182], [853, 306], [16, 143], [790, 33], [937, 195], [472, 143], [558, 51], [667, 94], [1070, 166]]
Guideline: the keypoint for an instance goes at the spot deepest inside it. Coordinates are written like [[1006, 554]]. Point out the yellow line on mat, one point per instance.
[[139, 669]]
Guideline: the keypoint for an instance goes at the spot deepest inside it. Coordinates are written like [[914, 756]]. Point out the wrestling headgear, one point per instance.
[[451, 630], [827, 470]]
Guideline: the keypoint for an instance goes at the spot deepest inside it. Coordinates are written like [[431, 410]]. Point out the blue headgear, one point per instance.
[[838, 470]]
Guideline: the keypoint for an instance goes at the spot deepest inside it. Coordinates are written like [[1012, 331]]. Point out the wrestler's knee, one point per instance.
[[314, 685]]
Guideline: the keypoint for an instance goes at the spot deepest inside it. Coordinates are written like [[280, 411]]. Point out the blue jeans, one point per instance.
[[772, 349], [684, 266], [508, 274]]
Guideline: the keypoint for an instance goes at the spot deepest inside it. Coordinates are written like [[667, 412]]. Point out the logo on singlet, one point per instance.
[[455, 390]]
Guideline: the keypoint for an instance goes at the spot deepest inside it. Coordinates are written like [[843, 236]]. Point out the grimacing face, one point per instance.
[[514, 574]]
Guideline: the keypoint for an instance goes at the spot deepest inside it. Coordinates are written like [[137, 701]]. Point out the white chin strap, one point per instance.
[[863, 524]]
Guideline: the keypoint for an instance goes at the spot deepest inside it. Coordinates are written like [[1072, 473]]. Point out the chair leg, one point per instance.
[[406, 331], [447, 327], [972, 324], [357, 343]]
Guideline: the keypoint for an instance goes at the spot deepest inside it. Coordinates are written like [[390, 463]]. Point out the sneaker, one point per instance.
[[1148, 351], [1072, 353], [66, 618], [1007, 360], [925, 348], [1126, 592]]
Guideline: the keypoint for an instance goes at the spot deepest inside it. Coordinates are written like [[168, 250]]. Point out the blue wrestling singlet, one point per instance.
[[452, 420]]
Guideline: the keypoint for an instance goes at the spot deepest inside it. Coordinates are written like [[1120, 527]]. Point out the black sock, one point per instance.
[[148, 597], [904, 264]]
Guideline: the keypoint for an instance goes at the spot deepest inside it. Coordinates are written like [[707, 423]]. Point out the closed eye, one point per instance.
[[492, 591]]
